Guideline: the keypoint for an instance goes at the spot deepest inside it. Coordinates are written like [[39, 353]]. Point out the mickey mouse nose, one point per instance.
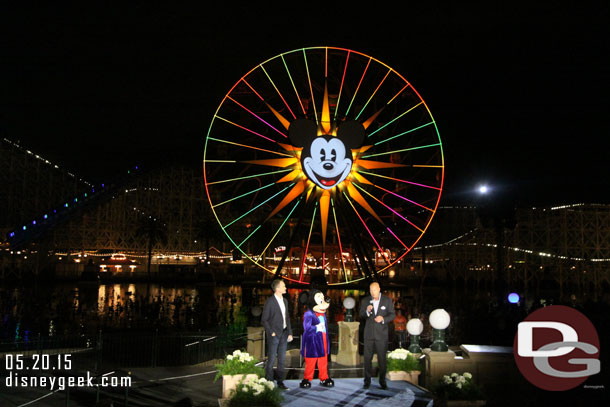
[[328, 166]]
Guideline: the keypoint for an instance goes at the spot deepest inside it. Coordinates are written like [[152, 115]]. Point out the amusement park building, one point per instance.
[[565, 246]]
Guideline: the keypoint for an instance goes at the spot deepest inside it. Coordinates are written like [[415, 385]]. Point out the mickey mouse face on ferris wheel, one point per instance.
[[326, 159]]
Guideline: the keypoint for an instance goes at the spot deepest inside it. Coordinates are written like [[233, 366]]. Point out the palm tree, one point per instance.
[[155, 232]]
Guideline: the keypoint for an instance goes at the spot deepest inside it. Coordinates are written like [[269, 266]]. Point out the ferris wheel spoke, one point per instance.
[[341, 87], [273, 162], [401, 180], [392, 210], [249, 236], [367, 102], [359, 83], [332, 203], [255, 115], [249, 176], [399, 92], [313, 218], [396, 118], [252, 89], [371, 119], [255, 208], [247, 146], [313, 101], [400, 241], [290, 196], [278, 92], [293, 86], [402, 150], [280, 228], [244, 128], [403, 198], [374, 165], [353, 192], [366, 227], [406, 132], [242, 195], [397, 174]]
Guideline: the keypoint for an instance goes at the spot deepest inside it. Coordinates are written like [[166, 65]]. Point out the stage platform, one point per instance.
[[349, 392]]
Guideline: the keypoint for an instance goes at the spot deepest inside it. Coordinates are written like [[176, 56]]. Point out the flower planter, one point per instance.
[[411, 377], [230, 382]]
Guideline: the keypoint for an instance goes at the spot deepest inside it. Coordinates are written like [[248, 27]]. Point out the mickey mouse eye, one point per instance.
[[323, 154], [333, 155]]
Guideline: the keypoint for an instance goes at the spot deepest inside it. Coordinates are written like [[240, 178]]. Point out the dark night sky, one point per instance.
[[520, 93]]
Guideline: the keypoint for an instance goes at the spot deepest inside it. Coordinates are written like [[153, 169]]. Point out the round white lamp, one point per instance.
[[415, 328], [439, 319], [256, 311], [349, 303]]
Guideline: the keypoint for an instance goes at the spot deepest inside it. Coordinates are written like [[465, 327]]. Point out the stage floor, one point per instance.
[[349, 392]]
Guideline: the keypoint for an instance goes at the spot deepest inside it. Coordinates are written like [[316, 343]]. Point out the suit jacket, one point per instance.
[[372, 329], [272, 317], [313, 341]]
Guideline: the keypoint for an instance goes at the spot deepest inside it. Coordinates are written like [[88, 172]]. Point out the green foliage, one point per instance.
[[256, 393], [239, 363], [458, 387], [401, 359]]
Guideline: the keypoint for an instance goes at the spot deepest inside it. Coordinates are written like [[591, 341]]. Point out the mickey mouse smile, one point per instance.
[[327, 165]]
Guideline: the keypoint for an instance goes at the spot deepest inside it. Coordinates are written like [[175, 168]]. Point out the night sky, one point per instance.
[[521, 94]]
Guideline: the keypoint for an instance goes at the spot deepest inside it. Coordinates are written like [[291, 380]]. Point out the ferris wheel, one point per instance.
[[323, 160]]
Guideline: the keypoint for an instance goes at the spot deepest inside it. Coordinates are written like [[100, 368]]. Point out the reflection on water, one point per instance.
[[84, 309], [61, 309]]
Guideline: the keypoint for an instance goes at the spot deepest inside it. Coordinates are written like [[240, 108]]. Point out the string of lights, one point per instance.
[[16, 145]]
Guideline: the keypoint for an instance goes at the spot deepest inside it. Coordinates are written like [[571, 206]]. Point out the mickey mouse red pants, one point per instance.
[[310, 365]]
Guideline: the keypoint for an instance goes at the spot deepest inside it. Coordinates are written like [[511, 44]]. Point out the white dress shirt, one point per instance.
[[280, 301], [375, 306]]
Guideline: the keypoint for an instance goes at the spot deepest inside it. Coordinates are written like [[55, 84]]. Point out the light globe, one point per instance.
[[415, 326], [349, 303], [439, 319]]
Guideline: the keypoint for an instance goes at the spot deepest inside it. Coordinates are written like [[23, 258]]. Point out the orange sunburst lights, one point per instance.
[[360, 178], [290, 177], [281, 118], [371, 165], [324, 202], [274, 162], [371, 119], [290, 196], [325, 111], [353, 192]]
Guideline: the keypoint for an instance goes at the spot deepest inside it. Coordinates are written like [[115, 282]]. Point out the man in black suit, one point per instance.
[[378, 311], [276, 321]]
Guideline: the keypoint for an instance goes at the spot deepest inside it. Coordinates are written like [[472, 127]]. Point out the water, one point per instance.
[[71, 308], [84, 309]]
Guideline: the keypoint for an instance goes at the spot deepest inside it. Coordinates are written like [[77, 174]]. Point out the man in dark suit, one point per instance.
[[276, 321], [378, 311]]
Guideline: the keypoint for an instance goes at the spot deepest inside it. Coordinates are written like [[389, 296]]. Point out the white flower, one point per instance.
[[229, 357], [454, 375], [460, 379], [270, 384], [258, 389], [459, 385], [467, 375], [262, 380], [447, 379]]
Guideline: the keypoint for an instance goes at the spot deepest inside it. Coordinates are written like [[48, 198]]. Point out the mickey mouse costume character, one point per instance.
[[316, 344]]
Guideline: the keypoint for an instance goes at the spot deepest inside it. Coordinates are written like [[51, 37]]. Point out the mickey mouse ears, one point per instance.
[[302, 132]]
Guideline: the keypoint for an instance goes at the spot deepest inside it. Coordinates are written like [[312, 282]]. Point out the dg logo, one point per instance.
[[557, 348]]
